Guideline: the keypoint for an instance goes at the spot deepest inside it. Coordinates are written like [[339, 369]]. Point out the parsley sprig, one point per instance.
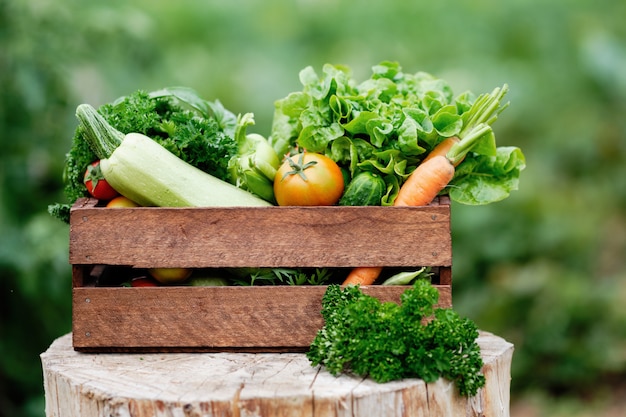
[[388, 341]]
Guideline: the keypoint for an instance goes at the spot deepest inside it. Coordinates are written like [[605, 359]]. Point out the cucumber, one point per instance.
[[365, 189], [147, 173]]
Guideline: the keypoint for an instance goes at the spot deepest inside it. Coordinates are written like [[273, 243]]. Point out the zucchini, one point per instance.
[[365, 189], [147, 173]]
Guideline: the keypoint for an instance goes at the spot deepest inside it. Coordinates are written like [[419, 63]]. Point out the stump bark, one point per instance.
[[246, 385]]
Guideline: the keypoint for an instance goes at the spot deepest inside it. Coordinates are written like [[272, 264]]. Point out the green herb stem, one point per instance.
[[458, 151], [485, 109]]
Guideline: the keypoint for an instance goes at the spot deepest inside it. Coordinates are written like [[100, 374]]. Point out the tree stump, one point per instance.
[[247, 384]]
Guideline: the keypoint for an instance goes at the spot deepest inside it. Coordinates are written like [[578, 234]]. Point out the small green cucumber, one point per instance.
[[365, 189]]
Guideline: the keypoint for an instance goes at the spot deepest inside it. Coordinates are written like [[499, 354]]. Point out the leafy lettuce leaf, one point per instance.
[[486, 179]]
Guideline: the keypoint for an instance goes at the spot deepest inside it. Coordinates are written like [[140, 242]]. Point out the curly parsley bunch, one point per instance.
[[387, 341]]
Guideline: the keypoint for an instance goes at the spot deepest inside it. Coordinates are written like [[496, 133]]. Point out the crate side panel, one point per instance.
[[205, 317], [264, 236], [179, 316]]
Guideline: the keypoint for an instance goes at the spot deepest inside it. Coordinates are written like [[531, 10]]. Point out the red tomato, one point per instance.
[[143, 282], [308, 179], [97, 186]]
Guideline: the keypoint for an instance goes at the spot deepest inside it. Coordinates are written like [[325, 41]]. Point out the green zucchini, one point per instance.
[[142, 170], [365, 189]]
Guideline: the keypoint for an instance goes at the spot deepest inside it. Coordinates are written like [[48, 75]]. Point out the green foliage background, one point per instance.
[[545, 269]]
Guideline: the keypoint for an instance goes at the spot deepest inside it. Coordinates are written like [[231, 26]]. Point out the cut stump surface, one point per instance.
[[246, 384]]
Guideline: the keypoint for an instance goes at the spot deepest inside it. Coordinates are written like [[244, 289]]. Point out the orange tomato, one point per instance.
[[308, 179], [121, 201]]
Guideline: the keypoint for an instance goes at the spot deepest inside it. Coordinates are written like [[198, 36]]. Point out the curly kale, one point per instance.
[[389, 341], [196, 131]]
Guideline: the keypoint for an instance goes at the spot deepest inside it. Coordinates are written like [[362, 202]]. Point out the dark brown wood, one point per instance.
[[275, 318], [445, 275], [78, 277], [261, 236]]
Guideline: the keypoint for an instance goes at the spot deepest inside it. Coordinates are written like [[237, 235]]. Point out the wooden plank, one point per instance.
[[206, 318], [445, 275], [261, 236], [271, 385]]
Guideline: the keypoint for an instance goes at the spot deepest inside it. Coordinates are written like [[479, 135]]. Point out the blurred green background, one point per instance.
[[544, 269]]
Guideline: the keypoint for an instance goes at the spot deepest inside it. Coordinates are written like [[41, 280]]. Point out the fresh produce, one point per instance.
[[388, 341], [308, 179], [198, 131], [207, 281], [121, 202], [169, 276], [281, 276], [143, 282], [363, 275], [365, 189], [254, 166], [147, 173], [388, 123], [96, 185], [423, 185], [442, 149], [393, 139], [435, 173], [408, 277]]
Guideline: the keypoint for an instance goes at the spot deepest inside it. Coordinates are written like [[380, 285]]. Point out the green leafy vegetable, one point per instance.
[[388, 341], [487, 178], [281, 276], [388, 123]]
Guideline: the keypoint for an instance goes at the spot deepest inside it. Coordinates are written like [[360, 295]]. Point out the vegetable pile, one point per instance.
[[387, 124], [381, 134], [202, 133], [387, 341], [148, 174]]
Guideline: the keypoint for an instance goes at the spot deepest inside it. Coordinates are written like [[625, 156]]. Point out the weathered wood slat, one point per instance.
[[247, 385], [261, 236], [273, 318]]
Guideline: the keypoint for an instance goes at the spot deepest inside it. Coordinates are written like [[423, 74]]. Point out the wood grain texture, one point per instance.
[[237, 318], [247, 385], [261, 236], [272, 318]]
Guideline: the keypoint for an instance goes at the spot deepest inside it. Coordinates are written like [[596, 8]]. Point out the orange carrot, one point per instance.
[[363, 275], [435, 172], [443, 148], [423, 185]]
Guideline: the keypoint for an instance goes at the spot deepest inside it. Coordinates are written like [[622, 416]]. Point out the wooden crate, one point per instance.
[[235, 318]]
